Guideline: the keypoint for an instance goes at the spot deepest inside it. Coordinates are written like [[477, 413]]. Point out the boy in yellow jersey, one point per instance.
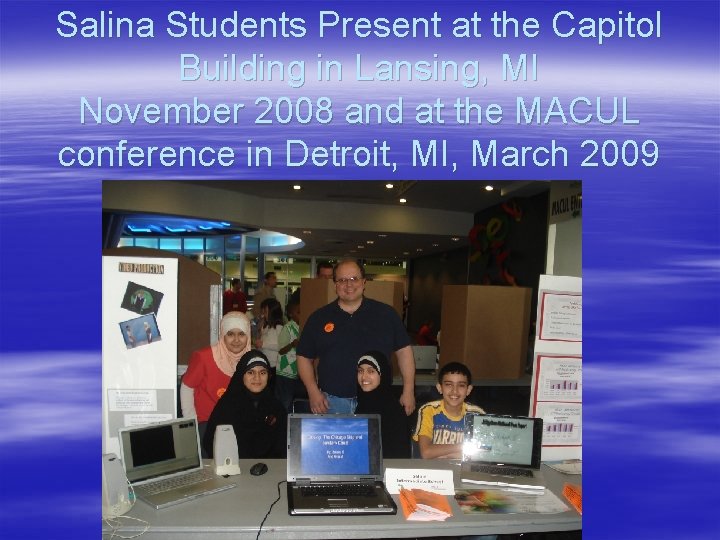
[[441, 424]]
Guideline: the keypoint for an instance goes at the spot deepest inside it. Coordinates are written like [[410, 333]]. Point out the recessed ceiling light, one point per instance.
[[419, 249], [389, 186], [455, 239], [382, 235], [369, 241], [361, 247], [307, 232], [297, 187], [436, 245], [488, 188], [403, 201], [406, 253]]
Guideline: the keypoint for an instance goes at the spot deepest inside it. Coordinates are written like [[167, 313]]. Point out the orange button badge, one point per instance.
[[329, 327], [220, 392]]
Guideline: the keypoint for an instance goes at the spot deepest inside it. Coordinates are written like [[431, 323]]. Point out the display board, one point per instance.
[[139, 343], [556, 387]]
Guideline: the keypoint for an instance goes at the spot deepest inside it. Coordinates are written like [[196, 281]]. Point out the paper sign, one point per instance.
[[435, 480], [132, 400]]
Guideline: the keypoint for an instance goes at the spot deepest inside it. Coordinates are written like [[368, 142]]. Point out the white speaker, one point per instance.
[[225, 451], [116, 499]]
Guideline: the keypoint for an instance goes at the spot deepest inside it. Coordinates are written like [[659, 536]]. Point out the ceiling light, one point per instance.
[[361, 247], [419, 249], [455, 239], [382, 235], [369, 241], [138, 229], [436, 245], [406, 253], [307, 232], [488, 188], [297, 187], [403, 201], [389, 186]]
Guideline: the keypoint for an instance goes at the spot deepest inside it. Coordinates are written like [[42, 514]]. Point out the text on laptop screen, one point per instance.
[[152, 451], [496, 439], [334, 446]]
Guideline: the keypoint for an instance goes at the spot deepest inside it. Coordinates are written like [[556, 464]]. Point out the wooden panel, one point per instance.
[[486, 328]]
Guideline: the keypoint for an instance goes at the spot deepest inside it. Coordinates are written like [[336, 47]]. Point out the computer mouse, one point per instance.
[[258, 469]]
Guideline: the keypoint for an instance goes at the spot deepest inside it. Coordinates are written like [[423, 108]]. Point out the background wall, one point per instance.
[[427, 277], [509, 248]]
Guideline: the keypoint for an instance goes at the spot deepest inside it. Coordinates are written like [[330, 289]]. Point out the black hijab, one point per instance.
[[258, 419], [394, 424]]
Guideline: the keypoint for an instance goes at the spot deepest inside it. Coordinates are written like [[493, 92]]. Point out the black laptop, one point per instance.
[[503, 451], [335, 466]]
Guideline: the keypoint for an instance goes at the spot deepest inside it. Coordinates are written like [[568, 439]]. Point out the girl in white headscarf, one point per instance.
[[210, 369]]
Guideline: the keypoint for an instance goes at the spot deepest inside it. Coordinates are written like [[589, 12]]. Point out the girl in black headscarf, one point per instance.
[[257, 417], [375, 396]]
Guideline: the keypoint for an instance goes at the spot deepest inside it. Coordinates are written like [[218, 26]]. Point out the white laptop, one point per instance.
[[163, 463], [335, 466], [425, 356], [502, 451]]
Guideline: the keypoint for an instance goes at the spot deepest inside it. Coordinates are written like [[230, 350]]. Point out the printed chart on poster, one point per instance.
[[560, 316], [556, 387], [139, 348]]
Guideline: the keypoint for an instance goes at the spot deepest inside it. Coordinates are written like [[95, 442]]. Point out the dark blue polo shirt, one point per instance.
[[338, 339]]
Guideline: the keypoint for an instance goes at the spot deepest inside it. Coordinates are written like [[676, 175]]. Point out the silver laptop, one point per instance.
[[163, 463], [502, 451], [425, 356], [335, 466]]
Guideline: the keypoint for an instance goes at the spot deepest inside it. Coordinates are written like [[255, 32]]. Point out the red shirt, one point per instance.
[[234, 301], [207, 380], [425, 337]]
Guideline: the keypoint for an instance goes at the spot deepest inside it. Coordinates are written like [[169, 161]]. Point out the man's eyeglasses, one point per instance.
[[345, 280]]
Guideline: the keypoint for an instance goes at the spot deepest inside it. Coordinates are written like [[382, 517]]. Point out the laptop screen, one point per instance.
[[334, 447], [156, 450], [509, 440]]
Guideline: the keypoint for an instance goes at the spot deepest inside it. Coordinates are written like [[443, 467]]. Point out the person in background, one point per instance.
[[264, 292], [440, 428], [249, 406], [425, 335], [337, 334], [271, 315], [234, 298], [324, 270], [375, 396], [209, 369], [287, 385]]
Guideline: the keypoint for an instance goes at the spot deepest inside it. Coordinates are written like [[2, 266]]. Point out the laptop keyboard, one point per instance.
[[179, 481], [338, 490], [494, 469]]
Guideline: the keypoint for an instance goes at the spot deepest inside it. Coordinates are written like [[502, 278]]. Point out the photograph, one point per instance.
[[140, 331], [140, 299]]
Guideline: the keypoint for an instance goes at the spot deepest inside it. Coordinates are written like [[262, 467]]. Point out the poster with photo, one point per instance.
[[140, 331], [140, 299]]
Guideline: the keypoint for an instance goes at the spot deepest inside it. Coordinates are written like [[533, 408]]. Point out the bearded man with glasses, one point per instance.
[[336, 335]]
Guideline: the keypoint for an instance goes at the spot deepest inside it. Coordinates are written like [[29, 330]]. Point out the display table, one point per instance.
[[237, 513]]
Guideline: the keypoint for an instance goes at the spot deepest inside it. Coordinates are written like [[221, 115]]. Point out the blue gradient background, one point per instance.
[[651, 235]]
